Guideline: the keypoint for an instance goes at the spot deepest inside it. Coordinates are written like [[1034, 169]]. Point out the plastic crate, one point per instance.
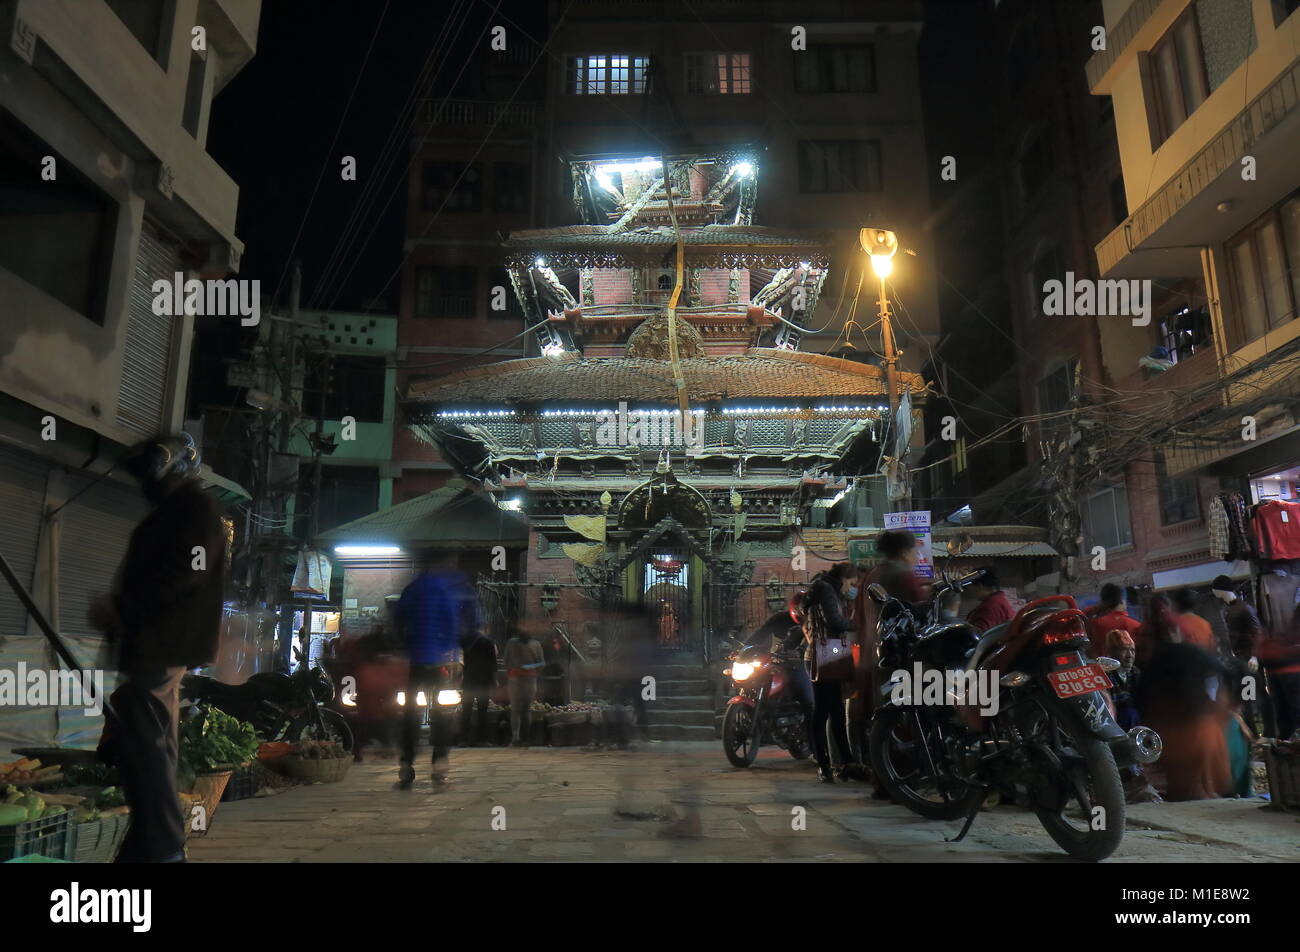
[[242, 785], [52, 836], [99, 840]]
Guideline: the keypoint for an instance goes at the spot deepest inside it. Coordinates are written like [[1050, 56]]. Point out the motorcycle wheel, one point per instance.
[[893, 759], [799, 747], [336, 729], [1069, 821], [738, 735]]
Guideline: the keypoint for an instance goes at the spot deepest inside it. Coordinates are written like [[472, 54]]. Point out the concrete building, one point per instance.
[[104, 109], [476, 144], [1207, 114]]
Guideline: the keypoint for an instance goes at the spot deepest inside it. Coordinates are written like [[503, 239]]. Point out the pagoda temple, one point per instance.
[[626, 498]]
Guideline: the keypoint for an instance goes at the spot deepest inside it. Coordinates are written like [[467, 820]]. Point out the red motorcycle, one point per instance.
[[763, 709]]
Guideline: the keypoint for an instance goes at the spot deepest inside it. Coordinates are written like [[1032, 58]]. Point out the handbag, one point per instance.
[[832, 654]]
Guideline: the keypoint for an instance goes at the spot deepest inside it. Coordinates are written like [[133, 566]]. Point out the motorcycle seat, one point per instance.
[[985, 646]]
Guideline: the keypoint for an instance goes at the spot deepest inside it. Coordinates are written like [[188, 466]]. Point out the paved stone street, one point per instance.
[[679, 802]]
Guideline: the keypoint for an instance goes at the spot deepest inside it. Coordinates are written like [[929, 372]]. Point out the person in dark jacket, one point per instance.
[[480, 675], [163, 617], [431, 614], [825, 615]]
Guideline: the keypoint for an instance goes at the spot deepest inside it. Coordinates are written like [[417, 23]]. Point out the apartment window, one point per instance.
[[723, 74], [451, 187], [150, 22], [838, 68], [959, 457], [193, 111], [445, 291], [356, 388], [1178, 498], [1264, 261], [1107, 519], [510, 187], [1178, 79], [1185, 332], [57, 236], [500, 278], [608, 74], [828, 165]]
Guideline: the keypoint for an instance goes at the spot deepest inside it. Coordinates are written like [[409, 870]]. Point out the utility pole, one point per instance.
[[882, 245]]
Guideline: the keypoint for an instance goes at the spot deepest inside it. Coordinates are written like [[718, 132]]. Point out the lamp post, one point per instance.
[[882, 245]]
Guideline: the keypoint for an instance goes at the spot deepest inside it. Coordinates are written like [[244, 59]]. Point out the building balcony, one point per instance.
[[475, 112]]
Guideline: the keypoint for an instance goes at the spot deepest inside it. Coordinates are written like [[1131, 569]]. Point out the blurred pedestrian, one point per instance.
[[896, 573], [480, 674], [1107, 615], [1183, 697], [163, 617], [1279, 654], [1243, 631], [1159, 628], [1193, 629], [524, 660], [430, 614]]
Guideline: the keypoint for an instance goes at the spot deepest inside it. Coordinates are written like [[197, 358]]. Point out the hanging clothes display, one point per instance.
[[1240, 545], [1276, 529], [1278, 592], [1216, 523]]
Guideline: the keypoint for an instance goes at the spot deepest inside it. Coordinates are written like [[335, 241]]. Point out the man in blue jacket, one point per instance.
[[430, 615]]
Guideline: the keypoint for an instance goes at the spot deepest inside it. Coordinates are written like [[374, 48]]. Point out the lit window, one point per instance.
[[718, 73], [608, 74]]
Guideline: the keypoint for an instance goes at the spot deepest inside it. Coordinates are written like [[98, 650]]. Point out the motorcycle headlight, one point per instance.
[[741, 670], [448, 698]]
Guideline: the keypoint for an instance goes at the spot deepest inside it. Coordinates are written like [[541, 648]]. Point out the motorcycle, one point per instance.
[[281, 707], [762, 710], [1050, 742]]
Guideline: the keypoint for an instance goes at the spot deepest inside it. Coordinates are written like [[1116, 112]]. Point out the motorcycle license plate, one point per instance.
[[1076, 681]]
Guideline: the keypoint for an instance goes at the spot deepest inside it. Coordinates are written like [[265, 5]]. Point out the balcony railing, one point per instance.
[[474, 112]]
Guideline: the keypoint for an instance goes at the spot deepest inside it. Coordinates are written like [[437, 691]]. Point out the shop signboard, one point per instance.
[[918, 523]]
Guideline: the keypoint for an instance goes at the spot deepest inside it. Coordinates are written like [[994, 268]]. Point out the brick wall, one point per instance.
[[612, 286]]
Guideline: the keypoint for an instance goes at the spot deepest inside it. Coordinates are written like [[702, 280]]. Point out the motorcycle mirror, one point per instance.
[[959, 543], [877, 593]]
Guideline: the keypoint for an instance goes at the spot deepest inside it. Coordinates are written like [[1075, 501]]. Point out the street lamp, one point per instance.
[[882, 245]]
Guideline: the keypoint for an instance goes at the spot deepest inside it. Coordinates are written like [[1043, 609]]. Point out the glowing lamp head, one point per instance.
[[882, 265], [448, 698], [743, 169]]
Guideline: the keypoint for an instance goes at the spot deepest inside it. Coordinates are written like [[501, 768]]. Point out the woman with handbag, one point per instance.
[[829, 656]]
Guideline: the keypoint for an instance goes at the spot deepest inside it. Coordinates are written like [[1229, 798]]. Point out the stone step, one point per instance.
[[679, 687], [678, 702], [702, 716], [680, 732]]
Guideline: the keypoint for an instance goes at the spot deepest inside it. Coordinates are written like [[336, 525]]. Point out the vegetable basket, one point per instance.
[[50, 836], [311, 770]]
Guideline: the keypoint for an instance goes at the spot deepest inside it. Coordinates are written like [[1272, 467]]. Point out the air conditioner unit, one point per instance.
[[820, 517], [864, 515]]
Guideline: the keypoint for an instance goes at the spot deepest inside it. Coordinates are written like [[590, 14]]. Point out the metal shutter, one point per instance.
[[146, 362], [96, 530], [22, 496]]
